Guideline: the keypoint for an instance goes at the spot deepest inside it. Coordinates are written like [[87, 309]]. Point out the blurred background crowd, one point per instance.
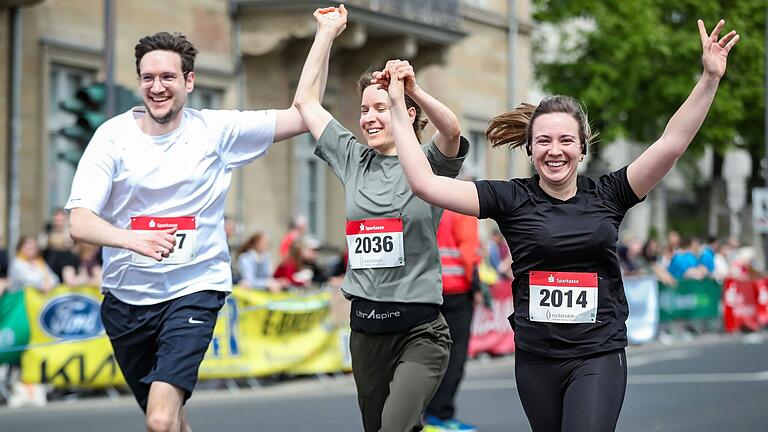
[[300, 261]]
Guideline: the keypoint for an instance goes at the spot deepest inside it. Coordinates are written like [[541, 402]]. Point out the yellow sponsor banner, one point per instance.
[[257, 333], [260, 333], [333, 357], [67, 346]]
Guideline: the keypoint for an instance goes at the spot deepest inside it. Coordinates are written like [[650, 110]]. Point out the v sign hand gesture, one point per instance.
[[715, 52]]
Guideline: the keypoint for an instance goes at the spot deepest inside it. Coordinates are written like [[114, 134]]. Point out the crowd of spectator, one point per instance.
[[51, 258], [44, 261], [685, 258], [300, 266]]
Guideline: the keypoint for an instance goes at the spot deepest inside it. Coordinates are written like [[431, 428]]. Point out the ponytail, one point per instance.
[[510, 128]]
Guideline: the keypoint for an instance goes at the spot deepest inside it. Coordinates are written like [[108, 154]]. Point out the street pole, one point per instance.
[[511, 72], [237, 56], [764, 165], [14, 157], [109, 56]]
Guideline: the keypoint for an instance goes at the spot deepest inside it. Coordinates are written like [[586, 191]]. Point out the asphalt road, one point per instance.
[[711, 383]]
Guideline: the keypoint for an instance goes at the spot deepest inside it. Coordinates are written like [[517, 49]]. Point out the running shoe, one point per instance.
[[434, 424]]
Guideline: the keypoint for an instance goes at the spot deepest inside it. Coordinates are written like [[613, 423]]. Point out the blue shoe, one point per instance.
[[447, 425]]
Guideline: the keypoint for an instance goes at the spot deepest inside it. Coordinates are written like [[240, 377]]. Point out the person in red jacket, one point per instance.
[[458, 242]]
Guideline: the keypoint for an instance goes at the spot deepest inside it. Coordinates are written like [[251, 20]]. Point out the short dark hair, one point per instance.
[[418, 123], [164, 41]]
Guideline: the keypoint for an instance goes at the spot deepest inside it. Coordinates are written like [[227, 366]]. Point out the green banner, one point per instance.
[[14, 326], [690, 300]]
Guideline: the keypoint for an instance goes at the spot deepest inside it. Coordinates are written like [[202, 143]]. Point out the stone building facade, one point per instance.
[[251, 54]]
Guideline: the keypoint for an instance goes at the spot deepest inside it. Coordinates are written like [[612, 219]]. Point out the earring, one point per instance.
[[581, 158]]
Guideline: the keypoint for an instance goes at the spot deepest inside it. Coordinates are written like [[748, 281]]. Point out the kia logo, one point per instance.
[[72, 316]]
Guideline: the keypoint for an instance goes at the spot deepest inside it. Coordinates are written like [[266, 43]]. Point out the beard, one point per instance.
[[167, 117]]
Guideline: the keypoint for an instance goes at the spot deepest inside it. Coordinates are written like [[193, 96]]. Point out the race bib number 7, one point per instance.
[[563, 297], [375, 243], [186, 237]]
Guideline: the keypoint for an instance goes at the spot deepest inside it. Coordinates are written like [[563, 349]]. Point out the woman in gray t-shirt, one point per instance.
[[400, 342]]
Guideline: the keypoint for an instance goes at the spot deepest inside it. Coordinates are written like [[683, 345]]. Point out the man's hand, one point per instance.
[[154, 244]]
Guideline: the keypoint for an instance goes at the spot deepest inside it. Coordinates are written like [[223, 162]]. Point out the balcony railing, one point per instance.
[[438, 13], [442, 14]]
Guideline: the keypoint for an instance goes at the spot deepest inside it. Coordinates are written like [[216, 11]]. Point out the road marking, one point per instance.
[[703, 378], [658, 357], [490, 384]]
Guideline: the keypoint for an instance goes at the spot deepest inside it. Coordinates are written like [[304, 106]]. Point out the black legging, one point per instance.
[[457, 310], [572, 394]]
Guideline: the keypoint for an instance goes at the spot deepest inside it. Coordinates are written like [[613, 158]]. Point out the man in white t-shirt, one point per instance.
[[150, 188]]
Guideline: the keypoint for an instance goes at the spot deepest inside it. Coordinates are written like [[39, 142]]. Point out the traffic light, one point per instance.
[[90, 111]]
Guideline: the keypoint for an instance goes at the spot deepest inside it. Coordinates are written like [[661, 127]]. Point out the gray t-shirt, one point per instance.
[[375, 187]]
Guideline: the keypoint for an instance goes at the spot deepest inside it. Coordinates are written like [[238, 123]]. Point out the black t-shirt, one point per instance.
[[58, 259], [577, 235], [3, 263]]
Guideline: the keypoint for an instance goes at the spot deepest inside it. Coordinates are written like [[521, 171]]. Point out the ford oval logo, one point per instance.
[[72, 316]]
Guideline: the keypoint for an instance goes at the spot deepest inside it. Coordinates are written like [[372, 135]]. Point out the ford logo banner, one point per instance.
[[72, 316]]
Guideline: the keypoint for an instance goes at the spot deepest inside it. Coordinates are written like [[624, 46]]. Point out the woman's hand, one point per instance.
[[332, 20], [395, 82], [715, 52], [402, 69]]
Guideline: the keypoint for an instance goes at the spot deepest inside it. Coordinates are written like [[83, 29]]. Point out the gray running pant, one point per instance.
[[396, 374]]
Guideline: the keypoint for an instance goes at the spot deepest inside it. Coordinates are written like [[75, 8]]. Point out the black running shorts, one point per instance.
[[161, 342]]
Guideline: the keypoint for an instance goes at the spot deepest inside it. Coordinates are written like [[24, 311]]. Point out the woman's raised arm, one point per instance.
[[656, 161], [451, 194], [331, 22]]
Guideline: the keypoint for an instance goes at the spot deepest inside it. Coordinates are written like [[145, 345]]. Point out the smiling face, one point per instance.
[[556, 149], [164, 87], [375, 120]]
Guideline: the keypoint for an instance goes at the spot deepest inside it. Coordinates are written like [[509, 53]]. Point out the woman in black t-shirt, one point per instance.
[[562, 229]]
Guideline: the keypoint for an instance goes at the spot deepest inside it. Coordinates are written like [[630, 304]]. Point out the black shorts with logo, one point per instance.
[[161, 342]]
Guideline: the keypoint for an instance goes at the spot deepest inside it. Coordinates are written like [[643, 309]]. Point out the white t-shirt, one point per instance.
[[125, 172]]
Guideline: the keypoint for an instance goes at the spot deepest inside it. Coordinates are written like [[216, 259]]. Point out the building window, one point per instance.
[[205, 98], [64, 83], [482, 4], [309, 188], [474, 164]]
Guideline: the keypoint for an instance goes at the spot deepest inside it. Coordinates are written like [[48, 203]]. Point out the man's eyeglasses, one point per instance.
[[166, 79]]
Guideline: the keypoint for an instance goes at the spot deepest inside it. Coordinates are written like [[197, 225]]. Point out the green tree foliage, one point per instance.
[[633, 63]]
